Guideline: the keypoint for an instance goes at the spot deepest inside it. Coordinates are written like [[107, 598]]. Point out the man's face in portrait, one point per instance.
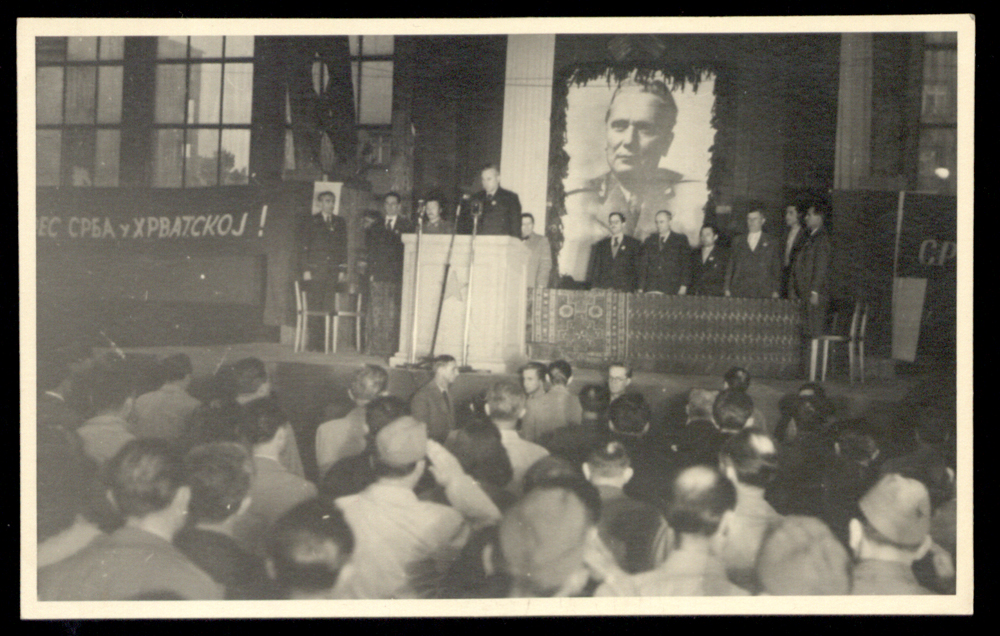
[[755, 221], [490, 179], [616, 224], [326, 203], [433, 211], [662, 223], [638, 134], [527, 227], [391, 206], [813, 219], [791, 216], [708, 237]]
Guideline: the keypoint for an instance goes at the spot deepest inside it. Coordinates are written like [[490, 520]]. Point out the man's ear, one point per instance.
[[749, 423], [855, 533], [628, 473], [486, 408], [586, 470], [182, 498]]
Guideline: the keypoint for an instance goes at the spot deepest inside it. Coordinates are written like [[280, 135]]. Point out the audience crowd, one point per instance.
[[149, 489]]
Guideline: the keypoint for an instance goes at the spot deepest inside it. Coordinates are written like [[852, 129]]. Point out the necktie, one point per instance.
[[614, 246], [447, 400], [388, 224]]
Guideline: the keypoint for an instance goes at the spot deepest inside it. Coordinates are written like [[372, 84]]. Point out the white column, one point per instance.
[[852, 164], [527, 108]]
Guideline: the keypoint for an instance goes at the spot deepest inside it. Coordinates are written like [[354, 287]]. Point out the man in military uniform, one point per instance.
[[638, 133], [322, 252]]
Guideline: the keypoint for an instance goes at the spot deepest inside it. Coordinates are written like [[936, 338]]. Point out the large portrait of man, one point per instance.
[[635, 147]]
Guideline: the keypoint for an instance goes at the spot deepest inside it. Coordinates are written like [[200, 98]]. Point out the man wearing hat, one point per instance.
[[402, 542], [892, 532]]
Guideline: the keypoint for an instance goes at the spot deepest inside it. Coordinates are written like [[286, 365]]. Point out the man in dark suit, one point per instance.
[[385, 260], [614, 261], [809, 282], [754, 269], [433, 404], [708, 265], [665, 259], [322, 252], [795, 215], [501, 208]]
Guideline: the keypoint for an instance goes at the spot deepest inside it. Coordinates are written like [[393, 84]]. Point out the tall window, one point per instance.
[[371, 71], [938, 114], [201, 121], [78, 110]]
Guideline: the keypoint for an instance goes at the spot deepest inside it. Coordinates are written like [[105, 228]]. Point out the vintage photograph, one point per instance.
[[495, 317]]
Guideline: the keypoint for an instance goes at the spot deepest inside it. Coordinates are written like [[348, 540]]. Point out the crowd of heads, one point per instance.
[[838, 494]]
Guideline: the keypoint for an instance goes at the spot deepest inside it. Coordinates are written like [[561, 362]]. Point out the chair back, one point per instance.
[[864, 322], [856, 321], [298, 297]]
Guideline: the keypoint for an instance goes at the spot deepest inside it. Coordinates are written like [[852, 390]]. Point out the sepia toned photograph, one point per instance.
[[495, 317]]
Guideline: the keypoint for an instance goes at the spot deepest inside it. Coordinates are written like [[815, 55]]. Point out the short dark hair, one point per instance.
[[325, 193], [731, 410], [505, 400], [176, 367], [711, 226], [630, 414], [528, 215], [560, 372], [111, 384], [478, 448], [369, 382], [754, 456], [620, 215], [820, 207], [541, 370], [441, 361], [489, 166], [219, 475], [699, 496], [575, 483], [669, 214], [398, 198], [145, 476], [310, 524], [800, 205], [756, 205], [260, 420], [608, 459], [384, 410], [248, 366], [737, 379]]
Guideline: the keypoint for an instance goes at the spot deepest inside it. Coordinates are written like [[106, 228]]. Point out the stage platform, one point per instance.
[[312, 386]]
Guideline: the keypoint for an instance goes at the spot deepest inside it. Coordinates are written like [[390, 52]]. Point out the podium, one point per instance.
[[497, 320]]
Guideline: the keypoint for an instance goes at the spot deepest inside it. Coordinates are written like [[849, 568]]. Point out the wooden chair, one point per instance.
[[353, 300], [855, 339], [302, 316]]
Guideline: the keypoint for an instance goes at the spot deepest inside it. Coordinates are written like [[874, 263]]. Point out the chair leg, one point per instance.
[[861, 360], [850, 361], [326, 334], [357, 333], [298, 332], [813, 351], [336, 332], [305, 333], [826, 354]]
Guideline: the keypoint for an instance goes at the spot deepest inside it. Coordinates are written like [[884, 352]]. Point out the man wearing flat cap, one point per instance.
[[892, 532], [638, 133], [399, 536]]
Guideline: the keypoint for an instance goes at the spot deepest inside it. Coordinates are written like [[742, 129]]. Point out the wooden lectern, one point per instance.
[[499, 301]]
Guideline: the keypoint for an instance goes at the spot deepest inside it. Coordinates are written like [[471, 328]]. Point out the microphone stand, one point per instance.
[[416, 286], [447, 270], [476, 213]]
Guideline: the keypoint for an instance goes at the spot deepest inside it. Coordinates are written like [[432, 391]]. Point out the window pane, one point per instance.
[[206, 87], [237, 96], [376, 93], [81, 82], [48, 145], [78, 156], [377, 45], [937, 150], [112, 48], [948, 37], [172, 46], [239, 46], [167, 157], [235, 157], [206, 46], [82, 48], [50, 49], [170, 94], [48, 105], [940, 87], [107, 160], [109, 93], [352, 43], [202, 158]]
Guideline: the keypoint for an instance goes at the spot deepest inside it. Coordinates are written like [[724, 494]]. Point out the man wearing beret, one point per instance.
[[401, 541], [892, 532]]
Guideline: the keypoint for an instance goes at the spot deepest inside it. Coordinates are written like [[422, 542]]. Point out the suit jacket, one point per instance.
[[501, 214], [429, 406], [619, 272], [708, 278], [539, 260], [786, 268], [322, 248], [665, 264], [809, 272], [385, 250], [754, 273]]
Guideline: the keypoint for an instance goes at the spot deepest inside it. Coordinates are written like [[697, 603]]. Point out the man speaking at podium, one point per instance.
[[501, 208]]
